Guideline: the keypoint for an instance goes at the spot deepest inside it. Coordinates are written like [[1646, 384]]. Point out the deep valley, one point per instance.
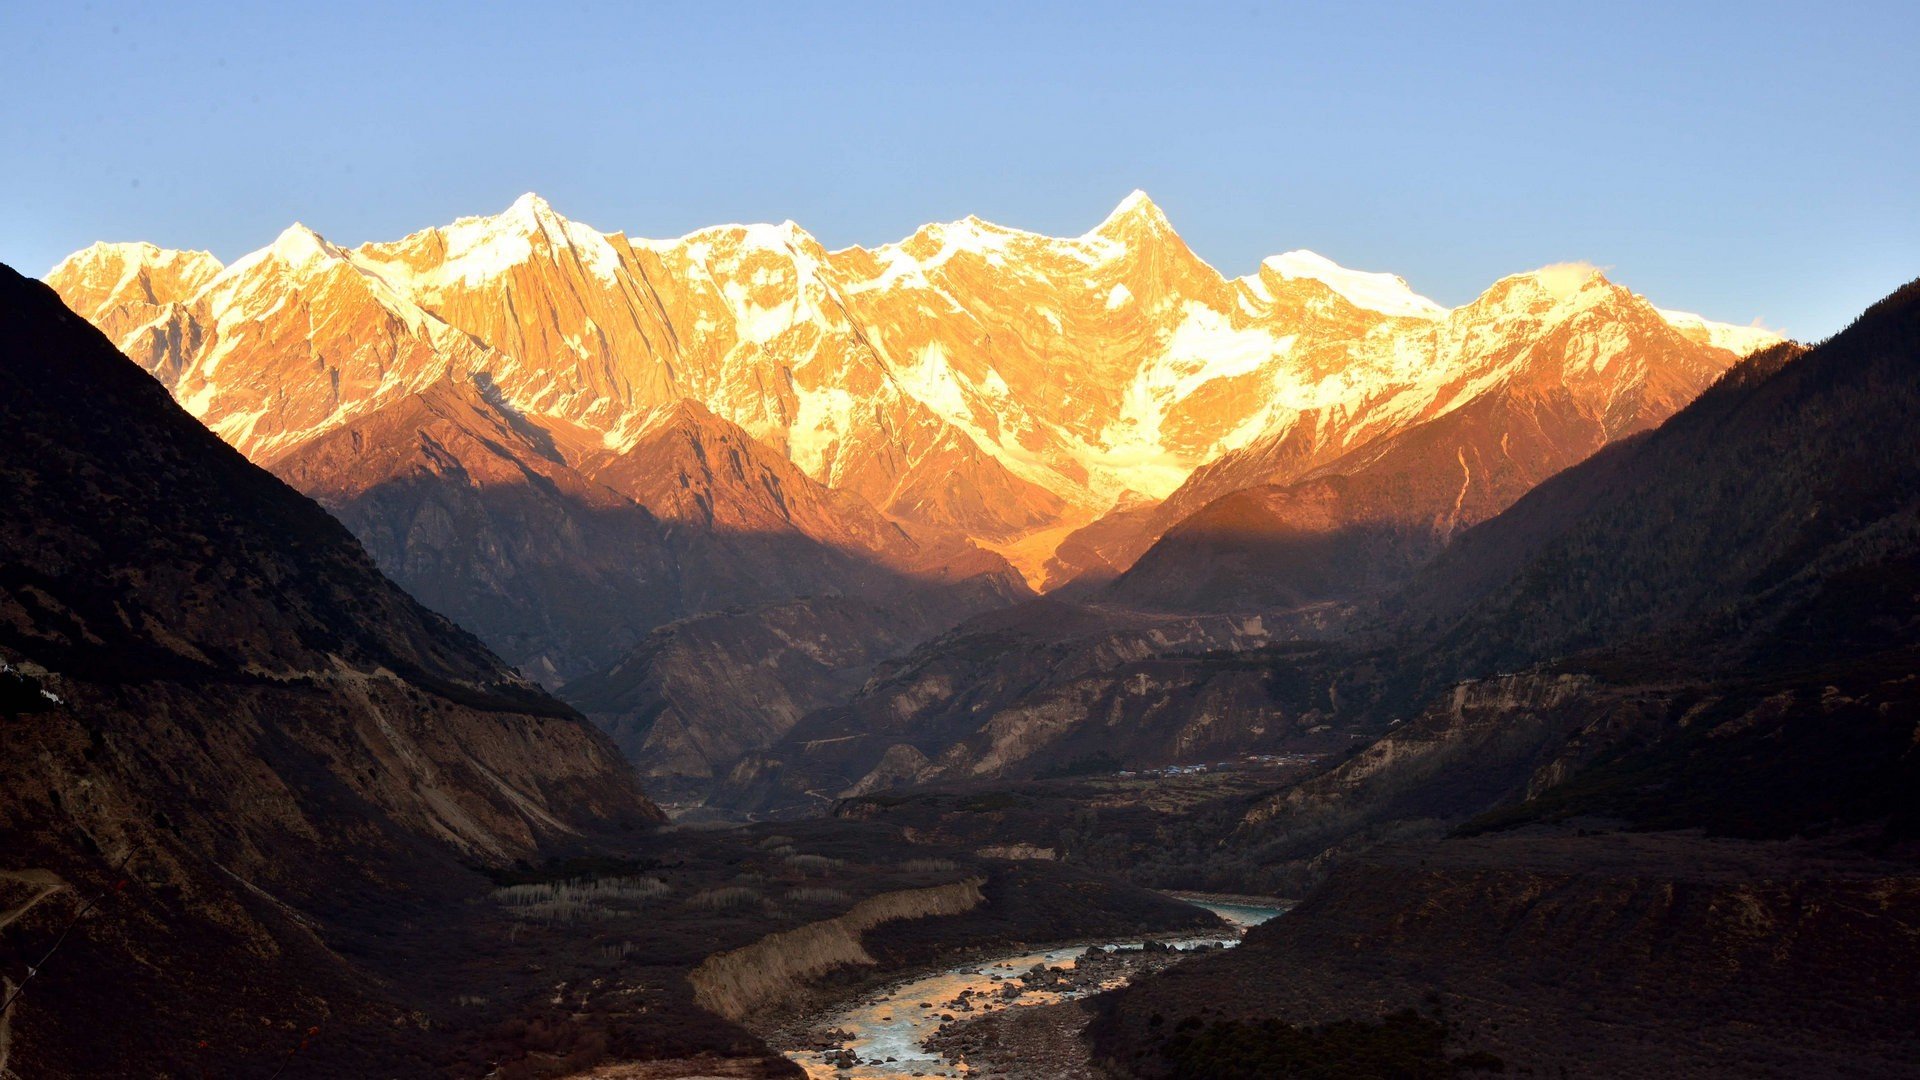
[[517, 650]]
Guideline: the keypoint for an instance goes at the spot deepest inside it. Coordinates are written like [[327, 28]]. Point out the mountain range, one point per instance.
[[569, 440]]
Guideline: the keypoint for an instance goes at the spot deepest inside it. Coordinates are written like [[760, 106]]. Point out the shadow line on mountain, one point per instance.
[[540, 574]]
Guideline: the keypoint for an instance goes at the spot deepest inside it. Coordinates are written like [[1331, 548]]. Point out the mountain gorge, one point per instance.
[[1553, 622]]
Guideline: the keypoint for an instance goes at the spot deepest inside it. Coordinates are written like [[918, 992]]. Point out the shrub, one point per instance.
[[812, 864], [725, 898], [1401, 1046], [580, 899], [817, 894]]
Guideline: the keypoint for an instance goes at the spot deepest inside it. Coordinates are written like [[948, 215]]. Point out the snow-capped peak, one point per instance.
[[1548, 295], [132, 255], [297, 249], [1565, 280], [482, 248], [786, 235], [1136, 211], [104, 275], [531, 205], [1076, 366], [1387, 294], [297, 246], [531, 213], [102, 251], [1739, 340]]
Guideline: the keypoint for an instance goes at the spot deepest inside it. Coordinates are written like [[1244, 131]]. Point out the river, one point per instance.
[[891, 1024]]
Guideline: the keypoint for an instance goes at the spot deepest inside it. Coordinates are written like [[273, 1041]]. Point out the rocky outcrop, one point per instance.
[[1016, 851], [780, 966]]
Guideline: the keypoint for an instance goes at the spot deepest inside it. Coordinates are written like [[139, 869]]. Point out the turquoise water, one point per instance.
[[1240, 915]]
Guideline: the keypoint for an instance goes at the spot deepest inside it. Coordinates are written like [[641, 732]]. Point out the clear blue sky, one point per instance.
[[1742, 160]]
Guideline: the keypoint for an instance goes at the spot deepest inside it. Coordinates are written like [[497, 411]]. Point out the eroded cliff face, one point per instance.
[[779, 967], [1508, 727], [1050, 686], [701, 692], [1483, 744]]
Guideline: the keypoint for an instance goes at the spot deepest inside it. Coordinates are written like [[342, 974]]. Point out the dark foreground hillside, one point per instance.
[[231, 744], [1557, 954]]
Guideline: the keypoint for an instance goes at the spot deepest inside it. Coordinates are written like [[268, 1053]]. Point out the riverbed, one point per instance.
[[883, 1036]]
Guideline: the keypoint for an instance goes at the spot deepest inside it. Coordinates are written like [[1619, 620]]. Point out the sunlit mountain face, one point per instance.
[[980, 381], [970, 377]]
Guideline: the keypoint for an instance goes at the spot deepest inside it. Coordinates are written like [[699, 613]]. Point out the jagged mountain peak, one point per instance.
[[135, 253], [532, 214], [1547, 296], [475, 250], [531, 204], [716, 246], [1739, 340], [1565, 280], [529, 211], [1558, 292], [298, 245], [1136, 215], [104, 276], [786, 235], [298, 251], [682, 413]]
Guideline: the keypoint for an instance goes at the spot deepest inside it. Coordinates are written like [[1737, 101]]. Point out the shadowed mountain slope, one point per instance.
[[238, 732]]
